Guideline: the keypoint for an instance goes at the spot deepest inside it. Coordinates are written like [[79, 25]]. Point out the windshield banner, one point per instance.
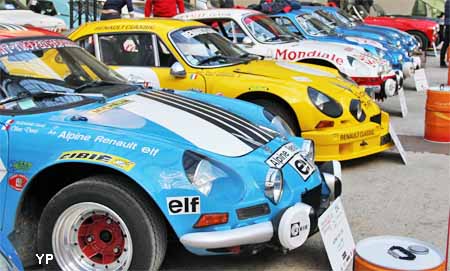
[[22, 46]]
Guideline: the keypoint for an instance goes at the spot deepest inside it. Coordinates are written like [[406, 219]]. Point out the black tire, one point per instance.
[[140, 215], [278, 110], [421, 38]]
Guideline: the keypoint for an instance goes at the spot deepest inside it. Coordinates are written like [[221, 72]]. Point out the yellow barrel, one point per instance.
[[437, 116]]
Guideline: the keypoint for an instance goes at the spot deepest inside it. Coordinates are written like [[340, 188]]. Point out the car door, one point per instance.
[[138, 58], [4, 143]]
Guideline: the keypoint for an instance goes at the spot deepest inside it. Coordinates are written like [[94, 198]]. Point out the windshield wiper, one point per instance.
[[212, 58], [96, 83], [26, 94]]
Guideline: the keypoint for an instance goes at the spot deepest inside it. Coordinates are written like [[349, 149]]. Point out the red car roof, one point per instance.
[[11, 31]]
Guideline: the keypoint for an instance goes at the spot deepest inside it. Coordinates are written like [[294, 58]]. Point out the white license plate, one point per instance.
[[302, 166], [282, 156]]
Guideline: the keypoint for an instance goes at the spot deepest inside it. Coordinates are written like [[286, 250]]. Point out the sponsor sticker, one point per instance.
[[356, 135], [302, 166], [282, 156], [17, 182], [110, 106], [197, 32], [99, 157], [183, 205], [22, 165], [23, 46]]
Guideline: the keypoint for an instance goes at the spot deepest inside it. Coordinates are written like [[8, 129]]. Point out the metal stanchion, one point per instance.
[[71, 22]]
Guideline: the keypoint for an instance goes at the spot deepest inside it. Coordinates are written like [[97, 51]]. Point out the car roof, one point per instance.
[[11, 31], [157, 25], [235, 13]]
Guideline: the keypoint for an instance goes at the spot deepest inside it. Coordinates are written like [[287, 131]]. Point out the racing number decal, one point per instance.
[[303, 167]]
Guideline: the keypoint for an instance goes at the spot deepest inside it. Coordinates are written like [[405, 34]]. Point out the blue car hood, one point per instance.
[[165, 116]]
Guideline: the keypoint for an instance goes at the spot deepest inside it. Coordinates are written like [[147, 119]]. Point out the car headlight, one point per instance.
[[308, 150], [357, 111], [325, 103], [274, 185], [279, 124], [202, 172]]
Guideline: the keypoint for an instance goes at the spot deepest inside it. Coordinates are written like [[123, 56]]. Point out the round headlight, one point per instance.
[[274, 185], [325, 103]]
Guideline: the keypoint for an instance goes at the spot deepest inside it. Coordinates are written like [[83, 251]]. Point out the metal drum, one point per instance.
[[393, 253]]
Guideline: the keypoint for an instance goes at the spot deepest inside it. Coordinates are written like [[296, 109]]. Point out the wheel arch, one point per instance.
[[259, 95], [42, 187], [320, 62]]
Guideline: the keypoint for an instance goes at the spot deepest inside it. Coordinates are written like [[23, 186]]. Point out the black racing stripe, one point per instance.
[[219, 124], [244, 130], [223, 114]]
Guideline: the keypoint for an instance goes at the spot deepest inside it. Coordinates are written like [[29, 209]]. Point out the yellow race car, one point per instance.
[[315, 102]]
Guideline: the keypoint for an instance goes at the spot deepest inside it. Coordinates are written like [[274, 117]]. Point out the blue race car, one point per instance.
[[9, 260], [406, 40], [98, 172], [405, 61], [303, 24]]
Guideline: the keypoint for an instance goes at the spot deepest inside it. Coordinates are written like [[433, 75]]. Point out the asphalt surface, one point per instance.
[[381, 196]]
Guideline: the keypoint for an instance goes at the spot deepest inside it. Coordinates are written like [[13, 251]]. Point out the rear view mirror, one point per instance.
[[177, 70], [247, 41]]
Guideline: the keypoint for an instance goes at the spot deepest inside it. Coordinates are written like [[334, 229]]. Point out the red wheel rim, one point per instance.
[[101, 239]]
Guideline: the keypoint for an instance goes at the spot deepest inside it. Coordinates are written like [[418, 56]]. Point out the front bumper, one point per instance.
[[349, 142], [291, 228]]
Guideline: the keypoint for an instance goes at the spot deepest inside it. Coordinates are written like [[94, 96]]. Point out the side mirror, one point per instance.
[[177, 70], [247, 41]]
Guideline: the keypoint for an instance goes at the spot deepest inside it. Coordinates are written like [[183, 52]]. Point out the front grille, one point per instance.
[[376, 118], [253, 211], [385, 139], [312, 197]]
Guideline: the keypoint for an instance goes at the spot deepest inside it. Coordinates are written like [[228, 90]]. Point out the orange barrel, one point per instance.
[[437, 116], [394, 253]]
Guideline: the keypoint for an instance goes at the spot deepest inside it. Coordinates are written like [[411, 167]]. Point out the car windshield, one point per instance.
[[204, 47], [325, 17], [344, 18], [11, 5], [314, 26], [265, 30], [33, 68]]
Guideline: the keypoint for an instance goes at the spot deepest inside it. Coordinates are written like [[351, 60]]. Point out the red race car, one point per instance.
[[425, 31]]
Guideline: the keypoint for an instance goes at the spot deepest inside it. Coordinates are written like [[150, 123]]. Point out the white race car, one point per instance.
[[14, 12], [258, 34]]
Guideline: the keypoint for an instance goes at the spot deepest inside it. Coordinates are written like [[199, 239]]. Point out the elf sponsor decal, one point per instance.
[[302, 166], [355, 135], [285, 54], [98, 157], [17, 182], [110, 106], [32, 45], [21, 165], [183, 205]]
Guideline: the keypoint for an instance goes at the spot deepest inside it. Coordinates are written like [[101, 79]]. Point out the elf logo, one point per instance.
[[183, 205]]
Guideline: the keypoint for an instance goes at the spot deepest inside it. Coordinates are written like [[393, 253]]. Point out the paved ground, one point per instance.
[[381, 196]]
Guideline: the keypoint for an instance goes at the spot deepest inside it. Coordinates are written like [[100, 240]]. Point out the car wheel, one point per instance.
[[421, 38], [98, 223], [278, 110]]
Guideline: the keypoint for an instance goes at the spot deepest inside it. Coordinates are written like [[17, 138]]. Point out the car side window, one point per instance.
[[166, 58], [229, 29], [288, 24], [88, 44], [127, 50]]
